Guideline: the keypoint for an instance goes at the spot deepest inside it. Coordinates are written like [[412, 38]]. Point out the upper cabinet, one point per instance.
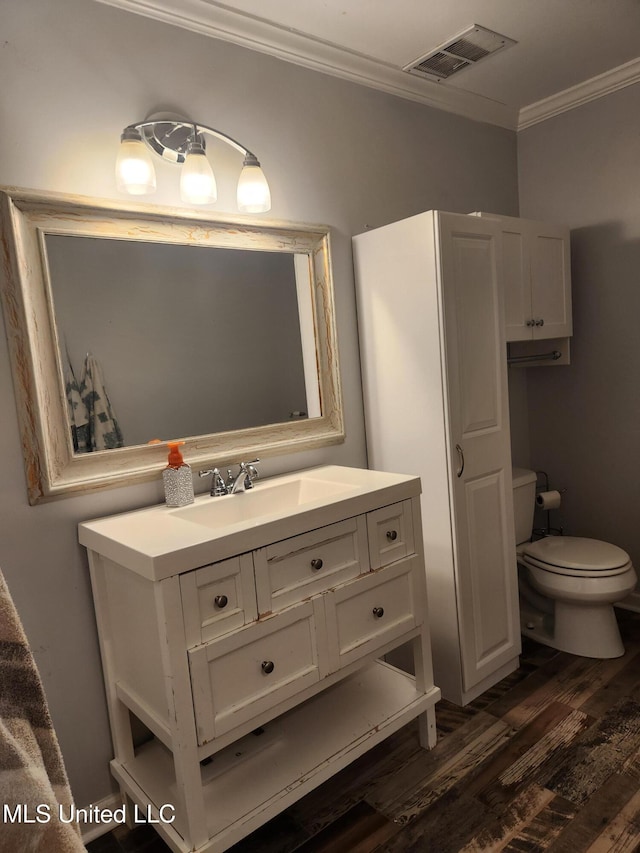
[[537, 279]]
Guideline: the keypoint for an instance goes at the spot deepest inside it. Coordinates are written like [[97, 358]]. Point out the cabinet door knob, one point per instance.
[[530, 323], [221, 601], [378, 612], [540, 322], [461, 461], [316, 564], [392, 535], [268, 666]]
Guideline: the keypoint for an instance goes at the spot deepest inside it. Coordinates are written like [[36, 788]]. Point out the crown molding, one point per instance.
[[590, 90], [216, 20]]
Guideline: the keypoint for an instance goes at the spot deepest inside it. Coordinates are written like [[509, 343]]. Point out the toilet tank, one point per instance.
[[524, 502]]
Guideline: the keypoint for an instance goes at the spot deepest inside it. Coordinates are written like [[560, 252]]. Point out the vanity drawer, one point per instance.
[[217, 599], [390, 531], [243, 675], [365, 614], [296, 568]]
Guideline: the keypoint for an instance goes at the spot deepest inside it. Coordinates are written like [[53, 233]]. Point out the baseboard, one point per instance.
[[91, 831], [632, 602]]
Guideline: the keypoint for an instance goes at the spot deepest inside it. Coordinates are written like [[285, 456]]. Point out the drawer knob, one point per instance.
[[316, 564], [268, 666], [221, 601], [392, 535], [378, 611]]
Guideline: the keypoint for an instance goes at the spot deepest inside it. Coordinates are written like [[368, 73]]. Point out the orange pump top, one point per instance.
[[175, 457]]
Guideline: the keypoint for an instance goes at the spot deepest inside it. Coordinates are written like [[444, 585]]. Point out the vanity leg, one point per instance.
[[424, 679], [118, 713], [128, 810], [119, 718], [182, 720], [427, 729]]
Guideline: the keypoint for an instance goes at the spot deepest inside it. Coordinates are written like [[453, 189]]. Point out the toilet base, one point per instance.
[[590, 632]]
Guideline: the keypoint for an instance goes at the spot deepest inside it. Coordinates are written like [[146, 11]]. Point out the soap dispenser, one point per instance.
[[178, 480]]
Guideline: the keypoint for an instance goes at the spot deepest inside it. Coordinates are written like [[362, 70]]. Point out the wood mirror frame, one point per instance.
[[52, 468]]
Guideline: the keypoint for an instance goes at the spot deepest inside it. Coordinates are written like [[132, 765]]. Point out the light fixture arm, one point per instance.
[[173, 135]]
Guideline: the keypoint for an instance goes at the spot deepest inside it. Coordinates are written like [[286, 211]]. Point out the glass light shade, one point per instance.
[[197, 181], [134, 169], [254, 195]]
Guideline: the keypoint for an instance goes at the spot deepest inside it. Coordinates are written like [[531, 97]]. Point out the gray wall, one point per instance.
[[581, 168], [334, 153]]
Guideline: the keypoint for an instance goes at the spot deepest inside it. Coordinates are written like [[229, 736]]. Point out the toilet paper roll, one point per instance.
[[548, 500]]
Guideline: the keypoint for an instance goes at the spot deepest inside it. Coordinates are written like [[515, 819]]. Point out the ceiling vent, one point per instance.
[[465, 49]]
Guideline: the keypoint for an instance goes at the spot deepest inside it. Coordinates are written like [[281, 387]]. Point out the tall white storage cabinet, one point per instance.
[[432, 341]]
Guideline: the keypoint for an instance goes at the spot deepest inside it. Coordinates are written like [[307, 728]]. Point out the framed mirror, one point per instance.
[[130, 326]]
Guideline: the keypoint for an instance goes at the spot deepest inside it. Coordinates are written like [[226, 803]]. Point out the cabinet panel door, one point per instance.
[[244, 674], [517, 284], [218, 598], [390, 531], [493, 636], [304, 565], [379, 607], [550, 280], [479, 447]]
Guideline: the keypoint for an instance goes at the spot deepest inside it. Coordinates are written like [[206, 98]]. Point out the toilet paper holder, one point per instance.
[[545, 489]]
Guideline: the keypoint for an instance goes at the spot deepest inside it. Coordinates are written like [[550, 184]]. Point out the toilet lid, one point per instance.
[[574, 552]]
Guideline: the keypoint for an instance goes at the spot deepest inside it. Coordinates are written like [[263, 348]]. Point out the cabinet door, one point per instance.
[[217, 599], [297, 568], [479, 446], [373, 610], [390, 531], [550, 280], [248, 672], [518, 313]]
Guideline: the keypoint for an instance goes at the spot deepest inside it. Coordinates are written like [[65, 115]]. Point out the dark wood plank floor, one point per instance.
[[549, 759]]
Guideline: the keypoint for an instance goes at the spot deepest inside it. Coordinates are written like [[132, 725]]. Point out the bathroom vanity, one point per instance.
[[242, 640]]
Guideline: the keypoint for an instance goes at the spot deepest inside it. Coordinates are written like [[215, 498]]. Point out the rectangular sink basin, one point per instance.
[[159, 542], [264, 500]]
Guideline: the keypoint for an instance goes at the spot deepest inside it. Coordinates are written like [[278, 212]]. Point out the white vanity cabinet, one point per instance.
[[251, 649], [537, 278], [436, 403]]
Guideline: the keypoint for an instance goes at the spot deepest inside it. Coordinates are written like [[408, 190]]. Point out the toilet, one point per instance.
[[568, 584]]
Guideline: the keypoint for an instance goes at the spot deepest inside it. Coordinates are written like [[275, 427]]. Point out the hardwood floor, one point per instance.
[[549, 759]]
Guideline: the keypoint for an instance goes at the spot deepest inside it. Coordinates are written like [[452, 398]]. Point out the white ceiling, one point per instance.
[[567, 51]]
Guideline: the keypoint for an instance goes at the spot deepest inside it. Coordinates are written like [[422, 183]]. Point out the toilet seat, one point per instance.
[[575, 556], [575, 573]]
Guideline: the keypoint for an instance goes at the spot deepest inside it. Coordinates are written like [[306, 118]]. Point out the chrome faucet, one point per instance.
[[243, 480]]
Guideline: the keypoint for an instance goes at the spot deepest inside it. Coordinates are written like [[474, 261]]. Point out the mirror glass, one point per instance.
[[187, 340], [217, 331]]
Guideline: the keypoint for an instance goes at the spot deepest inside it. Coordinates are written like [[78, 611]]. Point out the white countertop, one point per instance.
[[159, 541]]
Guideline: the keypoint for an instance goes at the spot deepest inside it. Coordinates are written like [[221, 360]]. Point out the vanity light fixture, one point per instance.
[[181, 141]]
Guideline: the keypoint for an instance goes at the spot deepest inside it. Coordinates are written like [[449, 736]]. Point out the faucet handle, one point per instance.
[[218, 486], [251, 472]]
